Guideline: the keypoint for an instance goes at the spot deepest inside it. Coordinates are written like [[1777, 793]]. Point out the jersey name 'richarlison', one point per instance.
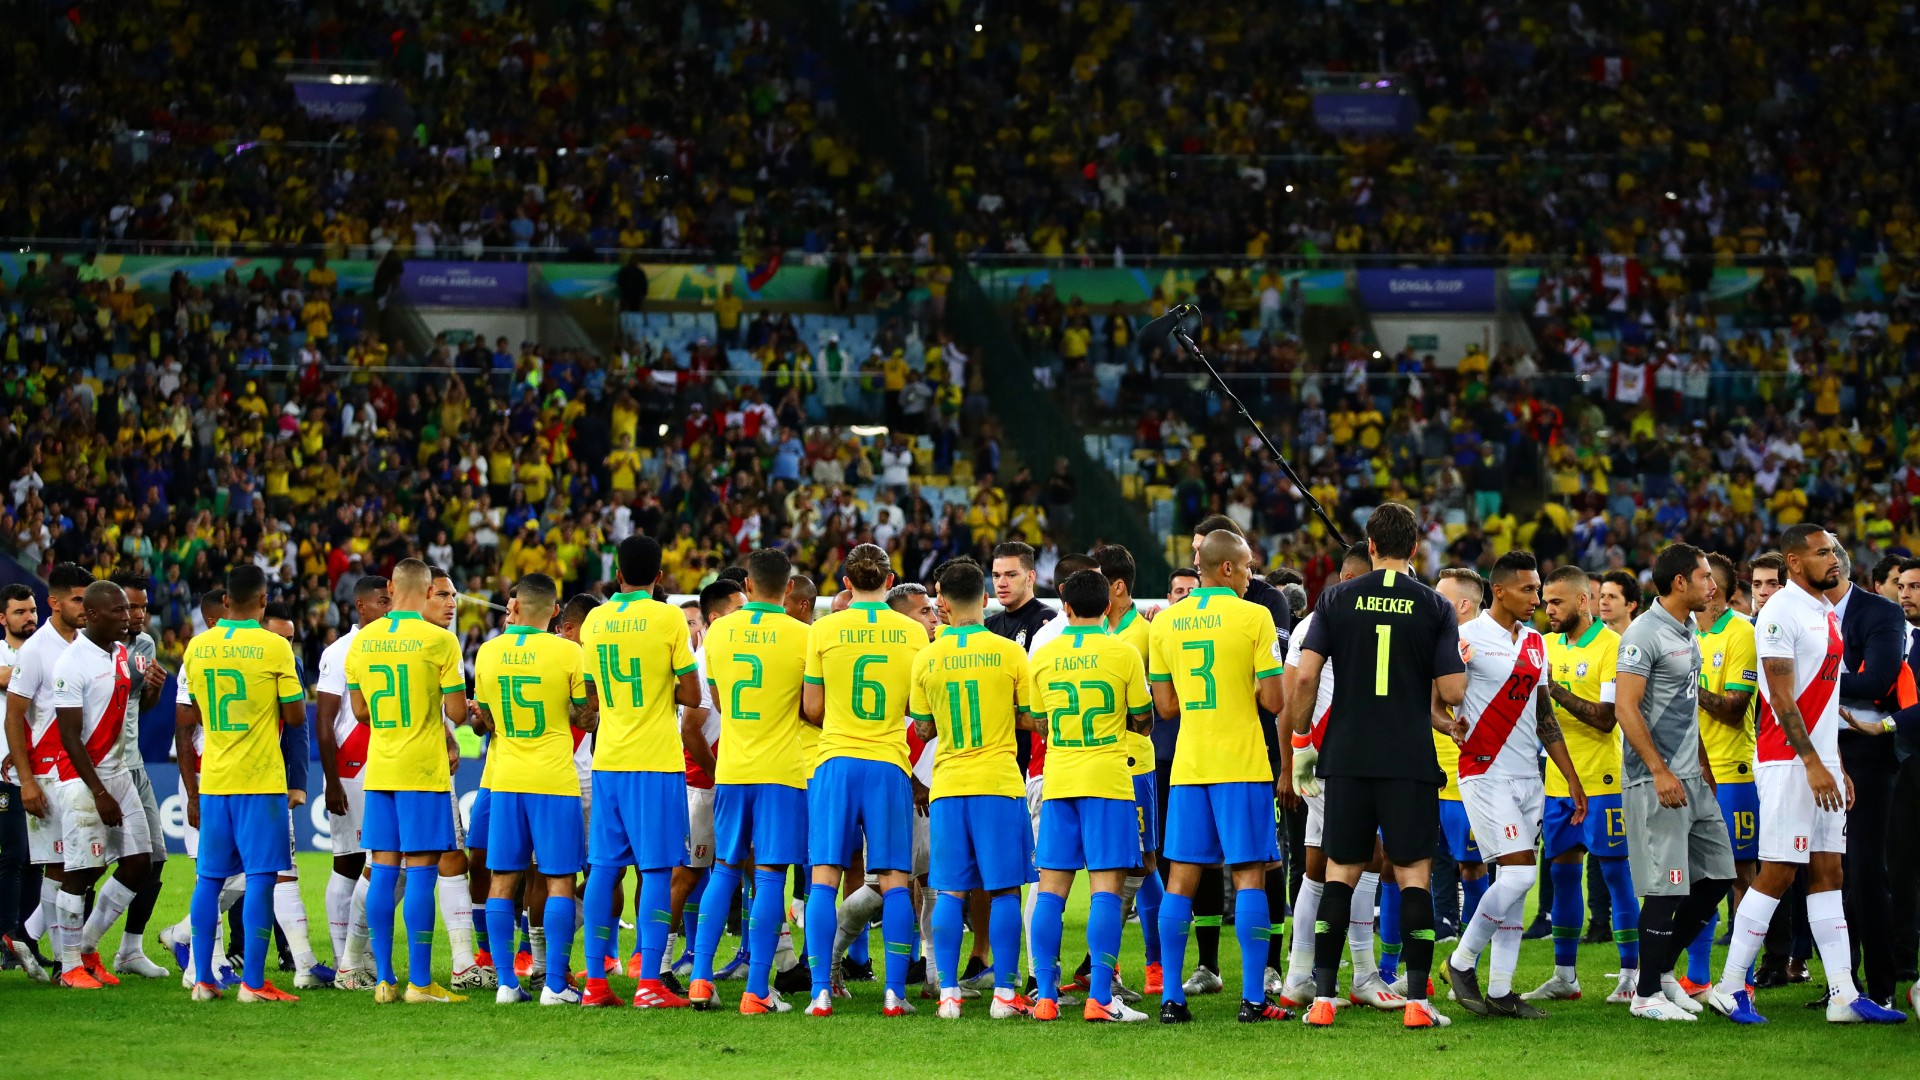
[[1389, 605]]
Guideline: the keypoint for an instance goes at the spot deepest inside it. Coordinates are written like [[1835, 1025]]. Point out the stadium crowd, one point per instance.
[[1580, 129], [731, 145]]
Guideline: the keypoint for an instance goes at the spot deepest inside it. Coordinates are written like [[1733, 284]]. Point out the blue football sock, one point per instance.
[[499, 920], [651, 915], [898, 928], [526, 939], [419, 910], [1700, 952], [690, 913], [1389, 928], [822, 901], [1176, 922], [1103, 943], [949, 912], [597, 921], [257, 917], [1252, 925], [482, 933], [560, 912], [1626, 910], [1146, 904], [1473, 889], [204, 913], [721, 885], [1049, 912], [383, 895], [1569, 910], [764, 919], [1003, 936]]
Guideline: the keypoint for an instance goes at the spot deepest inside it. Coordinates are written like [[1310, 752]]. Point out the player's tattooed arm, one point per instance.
[[1545, 723], [1786, 710], [1598, 715], [1140, 723], [1728, 708], [924, 728], [1024, 720]]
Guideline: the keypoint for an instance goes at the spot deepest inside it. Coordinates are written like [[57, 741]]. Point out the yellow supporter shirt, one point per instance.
[[403, 665], [529, 681], [863, 658], [1448, 752], [1087, 683], [1215, 647], [1133, 631], [1728, 665], [239, 674], [636, 650], [1585, 667], [970, 684], [756, 659]]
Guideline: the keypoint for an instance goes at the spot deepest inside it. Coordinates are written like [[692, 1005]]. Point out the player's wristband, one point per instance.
[[1301, 742]]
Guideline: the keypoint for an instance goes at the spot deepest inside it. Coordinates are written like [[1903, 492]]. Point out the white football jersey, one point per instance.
[[332, 679], [1502, 672], [1796, 625], [33, 680], [98, 682], [1323, 699]]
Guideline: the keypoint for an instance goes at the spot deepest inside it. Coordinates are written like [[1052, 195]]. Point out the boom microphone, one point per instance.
[[1155, 332], [1167, 327]]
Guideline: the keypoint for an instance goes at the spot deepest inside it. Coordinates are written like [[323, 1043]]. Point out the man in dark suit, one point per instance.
[[1903, 830], [1875, 634]]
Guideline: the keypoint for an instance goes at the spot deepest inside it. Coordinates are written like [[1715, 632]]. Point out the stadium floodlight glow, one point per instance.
[[663, 431], [1289, 189], [1671, 195], [1376, 354], [868, 431], [977, 27]]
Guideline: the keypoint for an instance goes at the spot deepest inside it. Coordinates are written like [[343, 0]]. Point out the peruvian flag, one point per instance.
[[1616, 277], [1610, 70]]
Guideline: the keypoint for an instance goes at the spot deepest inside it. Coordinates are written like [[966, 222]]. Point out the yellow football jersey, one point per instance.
[[1585, 667], [529, 680], [863, 658], [403, 665], [756, 658], [1087, 683], [1133, 631], [1215, 647], [1728, 665], [1448, 752], [971, 683], [239, 674], [636, 648]]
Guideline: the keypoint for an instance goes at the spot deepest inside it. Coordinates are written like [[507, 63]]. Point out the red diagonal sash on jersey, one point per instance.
[[108, 730], [1511, 702], [1770, 742], [1320, 728]]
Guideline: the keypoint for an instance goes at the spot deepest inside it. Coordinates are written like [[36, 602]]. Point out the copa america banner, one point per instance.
[[1427, 290], [310, 828], [465, 284], [345, 102], [1364, 113]]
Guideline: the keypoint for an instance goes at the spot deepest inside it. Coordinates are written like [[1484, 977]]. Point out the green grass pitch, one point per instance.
[[151, 1029]]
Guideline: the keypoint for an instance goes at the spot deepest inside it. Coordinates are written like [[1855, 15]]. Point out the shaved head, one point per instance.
[[1220, 547]]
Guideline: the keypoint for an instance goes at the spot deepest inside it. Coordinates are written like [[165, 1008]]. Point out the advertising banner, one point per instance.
[[310, 828], [432, 283], [1427, 290], [1362, 113], [341, 102]]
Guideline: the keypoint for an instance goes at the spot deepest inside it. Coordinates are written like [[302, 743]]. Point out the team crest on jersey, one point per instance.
[[1533, 656], [1580, 670], [1799, 843], [1718, 659], [1677, 877], [1513, 832], [6, 802]]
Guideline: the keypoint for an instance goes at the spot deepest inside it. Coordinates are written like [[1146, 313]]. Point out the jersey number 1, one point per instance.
[[1382, 650]]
